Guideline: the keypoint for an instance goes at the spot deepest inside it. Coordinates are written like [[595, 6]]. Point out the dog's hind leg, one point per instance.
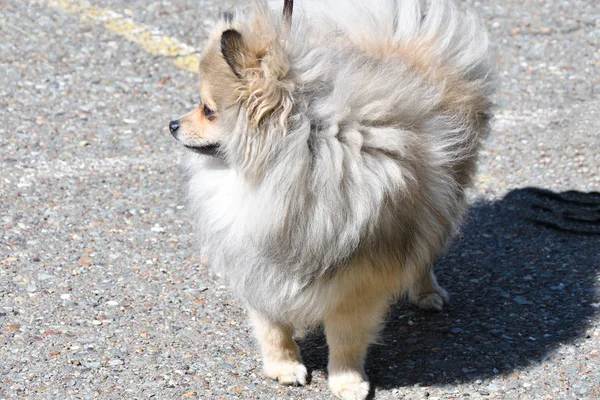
[[426, 293], [350, 328], [281, 355]]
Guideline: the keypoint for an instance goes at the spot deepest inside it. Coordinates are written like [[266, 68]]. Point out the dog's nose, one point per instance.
[[174, 127]]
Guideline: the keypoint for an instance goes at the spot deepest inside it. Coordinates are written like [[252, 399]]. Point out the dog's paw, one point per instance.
[[431, 301], [287, 373], [349, 386]]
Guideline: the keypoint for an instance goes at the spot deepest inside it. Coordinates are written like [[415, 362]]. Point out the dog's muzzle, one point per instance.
[[209, 149]]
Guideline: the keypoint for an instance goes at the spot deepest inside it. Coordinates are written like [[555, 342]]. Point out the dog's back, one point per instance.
[[445, 47]]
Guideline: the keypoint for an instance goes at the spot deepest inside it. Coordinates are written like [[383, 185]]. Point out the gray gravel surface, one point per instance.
[[101, 295]]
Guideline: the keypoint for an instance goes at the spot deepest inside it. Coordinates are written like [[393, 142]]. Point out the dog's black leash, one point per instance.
[[288, 7]]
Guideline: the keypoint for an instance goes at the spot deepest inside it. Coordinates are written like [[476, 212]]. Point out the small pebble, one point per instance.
[[521, 300], [478, 339]]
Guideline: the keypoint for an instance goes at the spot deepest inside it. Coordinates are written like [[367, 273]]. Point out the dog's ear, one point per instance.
[[262, 66], [232, 47]]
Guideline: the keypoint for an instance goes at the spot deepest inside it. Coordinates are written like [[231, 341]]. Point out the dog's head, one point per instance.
[[245, 90]]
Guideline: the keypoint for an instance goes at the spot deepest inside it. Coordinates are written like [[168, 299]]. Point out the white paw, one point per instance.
[[349, 386], [287, 373], [431, 301]]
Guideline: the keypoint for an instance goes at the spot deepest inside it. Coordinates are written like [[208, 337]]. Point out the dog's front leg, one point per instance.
[[350, 329], [281, 355]]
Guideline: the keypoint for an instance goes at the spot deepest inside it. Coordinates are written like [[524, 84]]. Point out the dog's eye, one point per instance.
[[208, 113]]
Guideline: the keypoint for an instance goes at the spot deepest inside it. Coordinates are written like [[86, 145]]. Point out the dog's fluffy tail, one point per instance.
[[456, 38]]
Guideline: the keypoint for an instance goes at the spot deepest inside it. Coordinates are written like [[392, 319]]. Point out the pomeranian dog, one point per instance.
[[329, 158]]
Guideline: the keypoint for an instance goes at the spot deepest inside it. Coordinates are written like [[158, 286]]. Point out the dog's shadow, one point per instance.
[[522, 280]]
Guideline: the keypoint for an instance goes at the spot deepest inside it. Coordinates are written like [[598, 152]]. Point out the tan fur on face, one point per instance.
[[196, 129], [217, 82], [262, 88], [217, 91], [254, 84]]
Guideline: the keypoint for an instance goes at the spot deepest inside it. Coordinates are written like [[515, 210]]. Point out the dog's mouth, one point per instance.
[[211, 149]]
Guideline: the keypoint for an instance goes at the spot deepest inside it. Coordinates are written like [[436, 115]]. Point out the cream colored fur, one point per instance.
[[346, 143]]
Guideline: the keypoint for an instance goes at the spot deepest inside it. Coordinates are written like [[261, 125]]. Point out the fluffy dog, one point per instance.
[[329, 158]]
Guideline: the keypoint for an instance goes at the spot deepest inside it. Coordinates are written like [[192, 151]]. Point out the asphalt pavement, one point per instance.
[[102, 295]]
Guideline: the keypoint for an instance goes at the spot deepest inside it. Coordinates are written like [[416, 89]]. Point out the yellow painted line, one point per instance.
[[149, 39]]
